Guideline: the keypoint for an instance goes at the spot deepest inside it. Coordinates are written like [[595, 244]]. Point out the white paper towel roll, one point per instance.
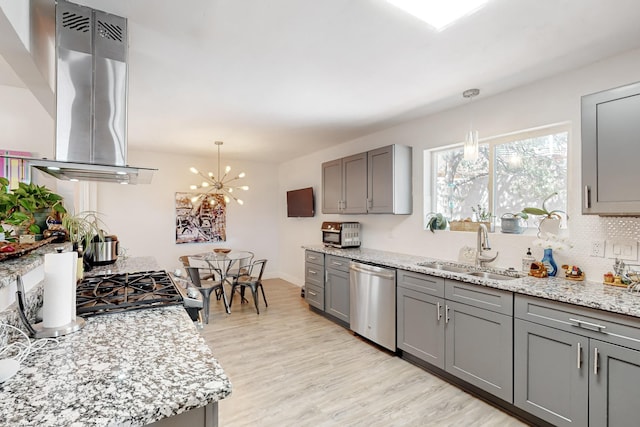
[[58, 308]]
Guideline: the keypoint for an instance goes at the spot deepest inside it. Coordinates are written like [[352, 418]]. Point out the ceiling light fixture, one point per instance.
[[471, 141], [439, 14], [217, 184]]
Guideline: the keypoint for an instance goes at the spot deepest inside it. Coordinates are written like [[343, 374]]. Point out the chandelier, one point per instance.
[[217, 184], [471, 140]]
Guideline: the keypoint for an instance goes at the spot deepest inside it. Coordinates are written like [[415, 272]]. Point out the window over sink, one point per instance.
[[512, 171]]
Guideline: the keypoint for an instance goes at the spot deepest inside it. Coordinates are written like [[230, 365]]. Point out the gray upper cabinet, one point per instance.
[[354, 172], [610, 149], [389, 180], [332, 187], [378, 181]]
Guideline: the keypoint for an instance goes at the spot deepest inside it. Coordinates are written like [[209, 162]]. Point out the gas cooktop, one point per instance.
[[113, 293]]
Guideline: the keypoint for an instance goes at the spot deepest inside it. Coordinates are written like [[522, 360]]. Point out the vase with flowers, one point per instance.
[[549, 242]]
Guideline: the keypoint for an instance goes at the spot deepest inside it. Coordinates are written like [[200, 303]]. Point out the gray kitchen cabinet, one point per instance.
[[377, 181], [575, 365], [314, 279], [613, 385], [389, 186], [551, 374], [478, 340], [465, 329], [610, 129], [420, 324], [344, 185], [337, 287], [332, 187]]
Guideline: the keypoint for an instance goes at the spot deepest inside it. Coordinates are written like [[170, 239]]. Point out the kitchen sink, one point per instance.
[[488, 275], [443, 267]]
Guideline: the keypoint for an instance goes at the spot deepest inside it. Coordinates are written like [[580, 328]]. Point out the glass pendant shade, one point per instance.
[[471, 146]]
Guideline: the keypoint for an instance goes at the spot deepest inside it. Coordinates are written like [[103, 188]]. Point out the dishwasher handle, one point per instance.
[[373, 271]]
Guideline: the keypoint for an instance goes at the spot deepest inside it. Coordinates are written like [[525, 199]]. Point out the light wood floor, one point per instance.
[[292, 367]]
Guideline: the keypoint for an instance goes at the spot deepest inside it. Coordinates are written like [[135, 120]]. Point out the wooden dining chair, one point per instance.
[[252, 280]]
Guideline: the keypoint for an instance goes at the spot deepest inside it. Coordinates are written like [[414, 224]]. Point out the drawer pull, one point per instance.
[[579, 355], [439, 314], [313, 272], [595, 361], [588, 325], [313, 294], [339, 264], [312, 258]]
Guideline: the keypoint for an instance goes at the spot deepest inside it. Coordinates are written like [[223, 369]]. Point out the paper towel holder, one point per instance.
[[38, 330]]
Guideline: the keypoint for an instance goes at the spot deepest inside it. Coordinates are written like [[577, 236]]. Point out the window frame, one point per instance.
[[430, 183]]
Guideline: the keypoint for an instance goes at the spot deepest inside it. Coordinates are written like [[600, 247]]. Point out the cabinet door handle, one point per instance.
[[439, 314], [579, 355], [446, 313], [369, 203], [582, 324], [587, 197], [595, 361]]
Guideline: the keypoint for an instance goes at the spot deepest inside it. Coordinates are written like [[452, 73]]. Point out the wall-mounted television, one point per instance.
[[300, 203]]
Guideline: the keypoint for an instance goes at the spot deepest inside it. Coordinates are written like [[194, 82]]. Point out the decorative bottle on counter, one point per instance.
[[527, 260], [549, 262]]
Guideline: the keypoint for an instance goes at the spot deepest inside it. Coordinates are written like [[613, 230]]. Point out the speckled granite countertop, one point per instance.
[[585, 293], [21, 265], [121, 369]]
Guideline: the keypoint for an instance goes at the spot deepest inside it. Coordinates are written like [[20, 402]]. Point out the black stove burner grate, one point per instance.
[[113, 293]]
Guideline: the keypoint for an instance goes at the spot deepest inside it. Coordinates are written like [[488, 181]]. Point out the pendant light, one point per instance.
[[471, 140], [219, 184]]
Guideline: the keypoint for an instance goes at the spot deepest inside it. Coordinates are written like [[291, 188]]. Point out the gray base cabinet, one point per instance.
[[314, 279], [576, 366], [551, 374], [471, 340], [420, 324], [613, 386], [337, 287]]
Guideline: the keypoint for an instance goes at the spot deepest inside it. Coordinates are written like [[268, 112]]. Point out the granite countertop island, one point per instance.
[[123, 369], [583, 293]]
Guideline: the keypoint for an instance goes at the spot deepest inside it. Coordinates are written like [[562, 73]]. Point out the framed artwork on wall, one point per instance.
[[200, 218]]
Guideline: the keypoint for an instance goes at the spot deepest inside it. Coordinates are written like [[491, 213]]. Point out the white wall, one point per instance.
[[143, 216], [550, 101]]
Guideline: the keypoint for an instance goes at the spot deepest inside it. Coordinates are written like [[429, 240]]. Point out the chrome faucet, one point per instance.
[[483, 245]]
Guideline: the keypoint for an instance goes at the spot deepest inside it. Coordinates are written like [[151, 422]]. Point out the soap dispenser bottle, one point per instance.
[[527, 260]]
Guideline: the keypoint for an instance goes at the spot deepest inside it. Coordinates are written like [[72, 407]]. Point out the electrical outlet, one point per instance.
[[597, 248]]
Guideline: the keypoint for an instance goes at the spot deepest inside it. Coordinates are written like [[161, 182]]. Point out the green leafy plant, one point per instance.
[[482, 214], [521, 214], [19, 206], [83, 227], [436, 221], [543, 211]]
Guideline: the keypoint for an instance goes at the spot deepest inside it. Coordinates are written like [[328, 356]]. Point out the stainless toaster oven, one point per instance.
[[341, 234]]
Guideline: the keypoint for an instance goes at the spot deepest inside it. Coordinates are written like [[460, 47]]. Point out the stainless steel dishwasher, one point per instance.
[[372, 303]]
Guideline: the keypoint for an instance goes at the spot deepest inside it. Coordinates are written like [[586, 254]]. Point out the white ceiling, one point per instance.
[[277, 79]]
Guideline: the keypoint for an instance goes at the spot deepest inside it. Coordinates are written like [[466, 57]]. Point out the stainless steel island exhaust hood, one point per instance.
[[91, 98]]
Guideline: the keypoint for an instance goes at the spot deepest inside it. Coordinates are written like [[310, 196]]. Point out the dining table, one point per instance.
[[224, 264]]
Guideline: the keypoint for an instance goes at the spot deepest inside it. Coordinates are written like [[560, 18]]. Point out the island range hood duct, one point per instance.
[[91, 98]]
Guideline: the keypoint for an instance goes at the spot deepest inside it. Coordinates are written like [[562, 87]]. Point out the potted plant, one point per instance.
[[27, 207], [82, 227], [512, 222], [550, 219], [436, 221]]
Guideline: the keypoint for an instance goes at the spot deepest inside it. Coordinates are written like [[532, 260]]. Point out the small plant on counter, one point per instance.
[[436, 221], [83, 227], [482, 214]]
